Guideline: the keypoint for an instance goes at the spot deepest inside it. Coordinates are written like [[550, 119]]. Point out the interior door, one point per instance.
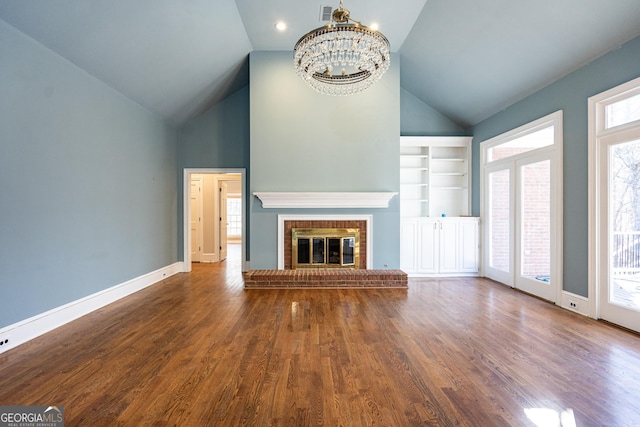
[[223, 219], [195, 209], [619, 279]]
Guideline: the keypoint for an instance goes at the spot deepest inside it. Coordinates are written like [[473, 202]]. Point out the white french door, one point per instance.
[[499, 223], [614, 205], [535, 230], [519, 226], [619, 213], [522, 207]]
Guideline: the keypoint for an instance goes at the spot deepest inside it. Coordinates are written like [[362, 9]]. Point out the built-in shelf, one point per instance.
[[434, 176]]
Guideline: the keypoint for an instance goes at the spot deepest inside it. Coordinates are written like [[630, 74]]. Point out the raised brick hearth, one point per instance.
[[325, 278]]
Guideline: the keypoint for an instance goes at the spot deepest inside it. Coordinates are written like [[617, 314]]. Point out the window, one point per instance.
[[234, 217], [521, 144], [623, 112]]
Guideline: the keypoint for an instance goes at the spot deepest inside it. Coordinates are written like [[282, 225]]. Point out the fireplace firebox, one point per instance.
[[325, 248]]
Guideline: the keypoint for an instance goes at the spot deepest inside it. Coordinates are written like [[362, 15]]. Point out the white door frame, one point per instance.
[[596, 179], [555, 119], [186, 189]]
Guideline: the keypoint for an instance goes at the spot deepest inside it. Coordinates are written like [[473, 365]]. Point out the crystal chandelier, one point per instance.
[[343, 57]]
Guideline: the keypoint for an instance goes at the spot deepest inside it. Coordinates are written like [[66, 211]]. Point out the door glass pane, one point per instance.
[[318, 250], [304, 251], [535, 198], [624, 224], [499, 221], [348, 252], [333, 250]]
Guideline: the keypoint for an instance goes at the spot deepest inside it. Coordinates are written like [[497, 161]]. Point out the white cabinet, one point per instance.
[[435, 181], [440, 246], [434, 176]]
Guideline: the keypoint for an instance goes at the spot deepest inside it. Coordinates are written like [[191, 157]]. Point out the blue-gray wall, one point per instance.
[[305, 141], [218, 138], [420, 119], [88, 183], [569, 94]]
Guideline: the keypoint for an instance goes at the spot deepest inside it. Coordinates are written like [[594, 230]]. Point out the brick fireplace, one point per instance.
[[289, 225], [287, 222], [362, 277]]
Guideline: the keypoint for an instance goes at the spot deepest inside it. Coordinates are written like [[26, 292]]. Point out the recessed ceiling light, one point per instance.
[[281, 26], [374, 26]]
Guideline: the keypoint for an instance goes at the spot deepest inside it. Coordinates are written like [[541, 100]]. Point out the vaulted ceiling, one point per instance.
[[466, 58]]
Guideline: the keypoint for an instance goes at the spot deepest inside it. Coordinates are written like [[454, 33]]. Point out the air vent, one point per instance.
[[325, 13]]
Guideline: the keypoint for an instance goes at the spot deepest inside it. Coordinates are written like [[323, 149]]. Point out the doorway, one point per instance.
[[614, 199], [206, 229], [522, 207]]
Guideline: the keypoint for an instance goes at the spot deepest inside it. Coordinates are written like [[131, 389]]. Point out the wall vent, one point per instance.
[[325, 13]]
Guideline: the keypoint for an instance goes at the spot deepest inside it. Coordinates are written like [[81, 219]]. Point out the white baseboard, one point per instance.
[[576, 303], [28, 329], [441, 275]]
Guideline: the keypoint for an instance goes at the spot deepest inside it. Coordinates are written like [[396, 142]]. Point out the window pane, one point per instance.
[[532, 141], [624, 206], [536, 221], [234, 217], [499, 212], [621, 112]]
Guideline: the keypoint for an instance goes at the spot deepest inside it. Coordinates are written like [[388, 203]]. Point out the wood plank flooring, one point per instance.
[[199, 350]]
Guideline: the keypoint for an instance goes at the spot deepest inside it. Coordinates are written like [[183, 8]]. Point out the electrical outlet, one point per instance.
[[575, 303], [5, 340]]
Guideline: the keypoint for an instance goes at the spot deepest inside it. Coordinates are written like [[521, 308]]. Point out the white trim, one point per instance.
[[528, 128], [575, 303], [186, 188], [40, 324], [283, 218], [308, 200], [593, 201]]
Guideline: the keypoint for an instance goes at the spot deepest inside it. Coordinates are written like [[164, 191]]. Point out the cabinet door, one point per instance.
[[448, 246], [428, 241], [408, 245], [469, 242]]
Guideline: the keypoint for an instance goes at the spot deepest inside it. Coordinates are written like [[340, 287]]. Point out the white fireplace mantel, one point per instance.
[[309, 200]]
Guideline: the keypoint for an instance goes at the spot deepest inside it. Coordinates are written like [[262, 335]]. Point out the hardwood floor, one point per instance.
[[199, 350]]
